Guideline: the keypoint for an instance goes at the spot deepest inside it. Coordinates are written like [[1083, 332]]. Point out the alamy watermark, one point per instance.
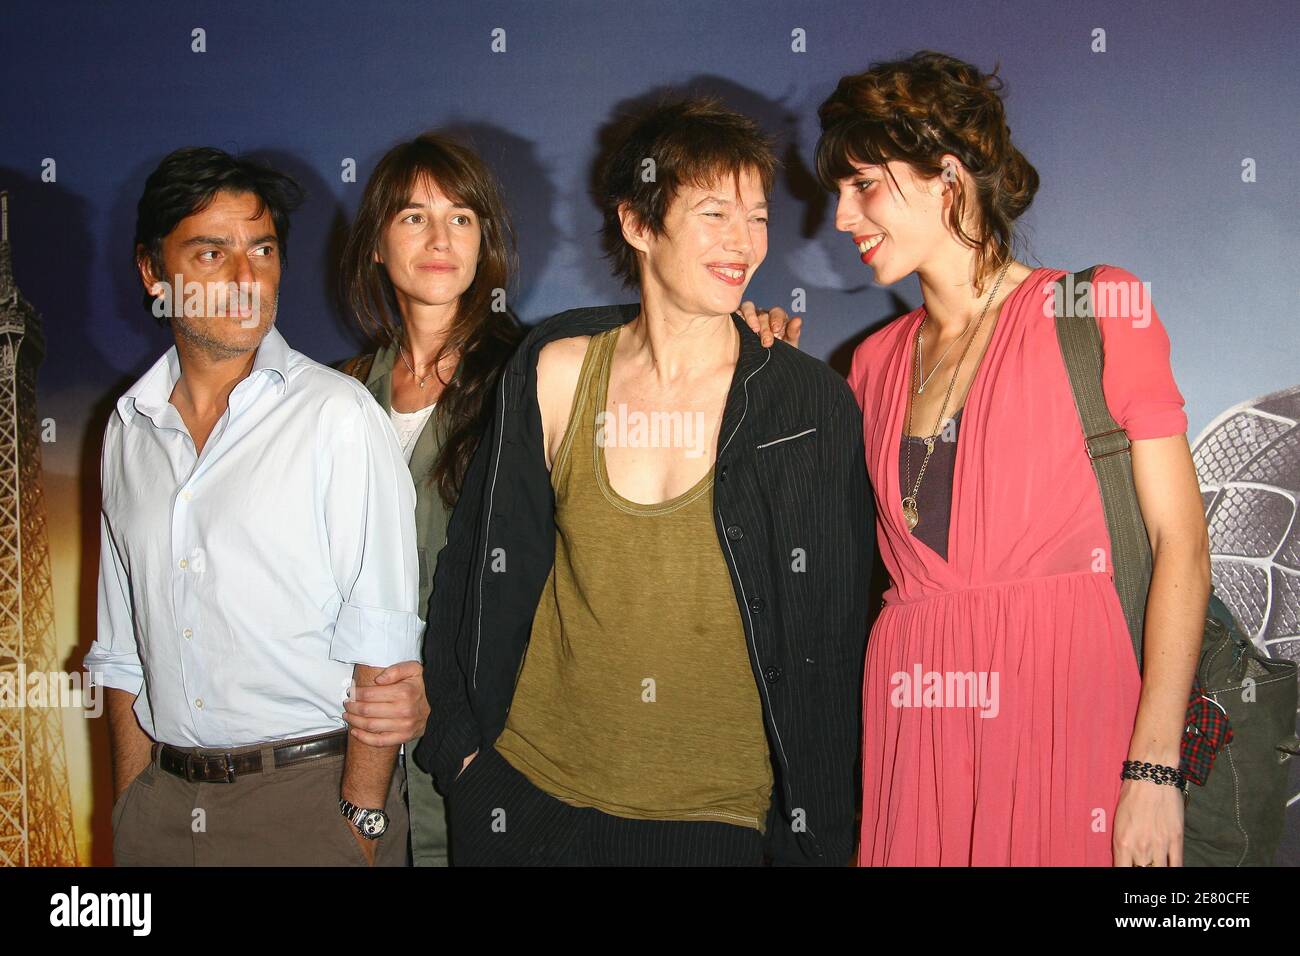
[[624, 428], [977, 689], [130, 910], [20, 687], [1113, 299], [214, 300]]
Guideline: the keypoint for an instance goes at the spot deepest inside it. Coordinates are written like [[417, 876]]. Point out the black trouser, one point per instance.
[[498, 818]]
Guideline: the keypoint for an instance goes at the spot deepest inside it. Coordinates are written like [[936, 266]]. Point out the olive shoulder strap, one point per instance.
[[1107, 446]]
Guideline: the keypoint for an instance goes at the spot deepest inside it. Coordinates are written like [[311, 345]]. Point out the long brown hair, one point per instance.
[[917, 109], [484, 330]]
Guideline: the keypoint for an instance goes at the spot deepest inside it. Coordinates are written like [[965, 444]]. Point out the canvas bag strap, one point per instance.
[[359, 367], [1108, 448]]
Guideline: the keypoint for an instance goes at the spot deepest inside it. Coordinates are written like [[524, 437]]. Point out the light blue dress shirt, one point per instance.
[[238, 588]]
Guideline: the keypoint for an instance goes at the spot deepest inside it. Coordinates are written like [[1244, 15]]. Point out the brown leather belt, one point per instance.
[[201, 767]]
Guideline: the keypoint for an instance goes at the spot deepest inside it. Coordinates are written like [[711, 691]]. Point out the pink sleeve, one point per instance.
[[1136, 376]]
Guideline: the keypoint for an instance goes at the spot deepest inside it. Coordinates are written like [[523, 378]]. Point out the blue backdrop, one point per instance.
[[1171, 153]]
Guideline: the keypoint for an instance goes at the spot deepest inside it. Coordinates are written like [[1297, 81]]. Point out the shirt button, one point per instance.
[[184, 564], [187, 494], [199, 703], [773, 674], [187, 633], [756, 604], [735, 532]]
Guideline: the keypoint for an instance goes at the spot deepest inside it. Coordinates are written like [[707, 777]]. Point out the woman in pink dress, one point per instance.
[[1001, 697]]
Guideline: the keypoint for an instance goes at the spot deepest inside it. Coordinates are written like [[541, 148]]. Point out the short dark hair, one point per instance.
[[185, 183], [692, 141]]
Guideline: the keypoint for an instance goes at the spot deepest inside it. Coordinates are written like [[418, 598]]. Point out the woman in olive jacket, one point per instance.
[[424, 273]]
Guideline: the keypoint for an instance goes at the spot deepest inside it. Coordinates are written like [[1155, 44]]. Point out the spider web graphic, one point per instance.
[[1248, 465]]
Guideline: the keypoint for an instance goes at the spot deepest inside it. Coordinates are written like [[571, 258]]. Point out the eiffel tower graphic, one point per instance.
[[35, 806]]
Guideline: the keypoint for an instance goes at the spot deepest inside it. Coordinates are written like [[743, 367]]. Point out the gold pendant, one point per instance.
[[910, 514]]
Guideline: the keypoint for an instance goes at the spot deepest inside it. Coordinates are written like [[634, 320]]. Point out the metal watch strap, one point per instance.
[[354, 814]]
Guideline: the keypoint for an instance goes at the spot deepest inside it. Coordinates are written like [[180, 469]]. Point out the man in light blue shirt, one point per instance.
[[257, 558]]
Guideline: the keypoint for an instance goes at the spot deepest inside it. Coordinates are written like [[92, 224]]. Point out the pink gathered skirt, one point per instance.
[[1026, 773]]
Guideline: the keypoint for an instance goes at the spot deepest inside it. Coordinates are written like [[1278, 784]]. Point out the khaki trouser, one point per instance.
[[285, 816]]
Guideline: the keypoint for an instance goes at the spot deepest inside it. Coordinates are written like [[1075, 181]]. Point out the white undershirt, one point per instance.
[[408, 426]]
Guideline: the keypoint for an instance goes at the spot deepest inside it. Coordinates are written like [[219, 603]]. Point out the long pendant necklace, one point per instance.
[[911, 513]]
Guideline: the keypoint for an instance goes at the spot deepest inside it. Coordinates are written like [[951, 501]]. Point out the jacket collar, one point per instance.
[[379, 382], [753, 358], [381, 371]]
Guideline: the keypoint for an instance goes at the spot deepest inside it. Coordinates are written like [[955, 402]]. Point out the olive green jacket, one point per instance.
[[375, 371]]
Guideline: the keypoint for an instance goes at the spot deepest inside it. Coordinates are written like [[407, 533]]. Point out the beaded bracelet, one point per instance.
[[1156, 773]]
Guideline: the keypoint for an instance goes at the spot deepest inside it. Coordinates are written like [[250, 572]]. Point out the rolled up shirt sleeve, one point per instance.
[[114, 658], [369, 513]]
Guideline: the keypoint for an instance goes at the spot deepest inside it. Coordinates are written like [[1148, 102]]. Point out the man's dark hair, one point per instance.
[[692, 141], [185, 183]]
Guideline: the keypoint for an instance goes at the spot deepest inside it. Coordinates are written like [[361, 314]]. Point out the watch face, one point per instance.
[[373, 824]]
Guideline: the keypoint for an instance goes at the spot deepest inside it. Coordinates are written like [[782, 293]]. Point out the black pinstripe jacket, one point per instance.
[[794, 517]]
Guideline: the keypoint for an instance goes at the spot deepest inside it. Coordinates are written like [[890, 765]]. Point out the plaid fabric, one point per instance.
[[1207, 731]]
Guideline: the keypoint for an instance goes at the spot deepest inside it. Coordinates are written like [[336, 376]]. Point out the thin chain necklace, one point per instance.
[[926, 381], [419, 379], [910, 513]]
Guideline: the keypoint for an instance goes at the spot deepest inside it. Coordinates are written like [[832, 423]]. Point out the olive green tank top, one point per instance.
[[636, 695]]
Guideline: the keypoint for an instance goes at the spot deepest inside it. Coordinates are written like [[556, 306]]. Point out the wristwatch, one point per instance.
[[371, 824]]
